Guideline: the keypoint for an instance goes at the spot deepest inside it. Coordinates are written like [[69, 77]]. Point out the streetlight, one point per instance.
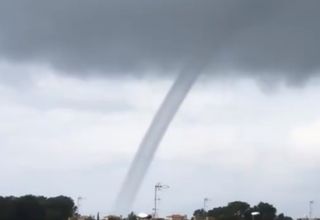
[[157, 188]]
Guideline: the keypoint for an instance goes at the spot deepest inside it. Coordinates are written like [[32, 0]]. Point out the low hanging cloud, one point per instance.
[[274, 38]]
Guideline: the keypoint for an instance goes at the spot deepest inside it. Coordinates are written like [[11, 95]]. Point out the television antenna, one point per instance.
[[157, 188]]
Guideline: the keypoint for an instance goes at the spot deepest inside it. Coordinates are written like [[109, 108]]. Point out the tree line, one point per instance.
[[239, 210], [31, 207]]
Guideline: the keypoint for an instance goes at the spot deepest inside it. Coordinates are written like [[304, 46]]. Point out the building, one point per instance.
[[177, 217]]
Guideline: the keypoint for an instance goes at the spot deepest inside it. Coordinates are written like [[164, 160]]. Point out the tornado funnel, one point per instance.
[[151, 140]]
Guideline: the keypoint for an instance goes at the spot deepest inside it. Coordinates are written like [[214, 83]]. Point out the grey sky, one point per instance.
[[77, 92], [118, 37], [229, 141]]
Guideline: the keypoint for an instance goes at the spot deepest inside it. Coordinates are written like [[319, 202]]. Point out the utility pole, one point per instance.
[[157, 188], [205, 202], [310, 208], [79, 199], [79, 203]]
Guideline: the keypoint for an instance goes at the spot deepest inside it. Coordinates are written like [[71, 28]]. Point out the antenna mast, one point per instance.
[[205, 202], [157, 188], [310, 208]]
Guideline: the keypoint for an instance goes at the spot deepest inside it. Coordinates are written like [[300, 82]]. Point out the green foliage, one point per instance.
[[238, 207], [233, 211], [267, 211], [240, 211], [36, 208], [29, 208], [132, 216], [283, 217], [200, 214]]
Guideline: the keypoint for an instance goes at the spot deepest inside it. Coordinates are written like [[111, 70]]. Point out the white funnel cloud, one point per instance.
[[151, 140]]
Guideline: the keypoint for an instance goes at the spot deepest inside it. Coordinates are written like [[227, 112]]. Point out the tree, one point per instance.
[[217, 213], [59, 208], [281, 216], [6, 208], [132, 216], [200, 214], [31, 207], [239, 210], [233, 211], [267, 211]]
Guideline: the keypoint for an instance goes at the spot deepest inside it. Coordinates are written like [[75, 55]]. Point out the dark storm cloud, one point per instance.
[[114, 36]]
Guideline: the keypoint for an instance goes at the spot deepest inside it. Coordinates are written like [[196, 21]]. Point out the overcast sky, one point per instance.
[[81, 80]]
